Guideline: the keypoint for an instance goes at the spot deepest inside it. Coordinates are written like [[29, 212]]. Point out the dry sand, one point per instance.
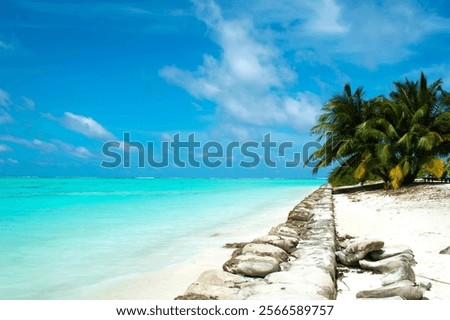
[[417, 216]]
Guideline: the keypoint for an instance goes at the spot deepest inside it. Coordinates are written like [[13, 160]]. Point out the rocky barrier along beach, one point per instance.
[[295, 260], [358, 245]]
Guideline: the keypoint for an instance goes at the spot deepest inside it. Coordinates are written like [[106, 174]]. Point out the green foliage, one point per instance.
[[342, 176], [389, 139], [346, 176]]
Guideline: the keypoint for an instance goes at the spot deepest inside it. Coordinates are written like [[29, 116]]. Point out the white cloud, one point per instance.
[[248, 81], [5, 99], [79, 152], [4, 148], [364, 33], [82, 152], [7, 103], [85, 125], [12, 161], [46, 147], [28, 104], [302, 110], [82, 124], [6, 46], [13, 139], [43, 146], [5, 117], [325, 19], [384, 32]]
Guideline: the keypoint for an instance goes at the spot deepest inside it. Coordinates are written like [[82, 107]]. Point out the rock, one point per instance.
[[388, 298], [389, 264], [248, 273], [405, 289], [445, 251], [224, 279], [308, 203], [285, 266], [389, 251], [252, 265], [264, 249], [284, 231], [345, 240], [404, 272], [283, 291], [235, 244], [312, 279], [218, 292], [299, 226], [425, 285], [301, 275], [236, 253], [300, 214], [288, 244], [344, 244], [342, 258], [357, 250], [304, 205]]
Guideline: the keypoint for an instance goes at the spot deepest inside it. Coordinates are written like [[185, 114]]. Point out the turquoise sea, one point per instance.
[[60, 235]]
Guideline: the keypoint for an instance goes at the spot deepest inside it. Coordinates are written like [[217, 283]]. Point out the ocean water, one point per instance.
[[59, 236]]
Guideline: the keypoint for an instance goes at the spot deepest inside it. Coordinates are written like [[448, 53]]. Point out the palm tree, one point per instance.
[[376, 135], [337, 126], [387, 138], [420, 115]]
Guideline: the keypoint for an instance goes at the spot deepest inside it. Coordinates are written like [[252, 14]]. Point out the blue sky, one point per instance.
[[76, 74]]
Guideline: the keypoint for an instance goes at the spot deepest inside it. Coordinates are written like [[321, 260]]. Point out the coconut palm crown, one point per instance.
[[391, 139]]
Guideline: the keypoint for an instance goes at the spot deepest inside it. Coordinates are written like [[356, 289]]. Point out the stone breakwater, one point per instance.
[[296, 260]]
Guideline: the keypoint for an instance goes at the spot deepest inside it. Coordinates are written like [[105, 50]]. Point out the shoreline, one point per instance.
[[415, 216], [86, 236], [300, 250], [172, 280]]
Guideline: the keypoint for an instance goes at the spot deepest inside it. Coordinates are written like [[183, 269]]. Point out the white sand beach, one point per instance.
[[416, 216]]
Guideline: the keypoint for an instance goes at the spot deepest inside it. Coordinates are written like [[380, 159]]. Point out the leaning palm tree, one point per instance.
[[376, 136], [337, 128]]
